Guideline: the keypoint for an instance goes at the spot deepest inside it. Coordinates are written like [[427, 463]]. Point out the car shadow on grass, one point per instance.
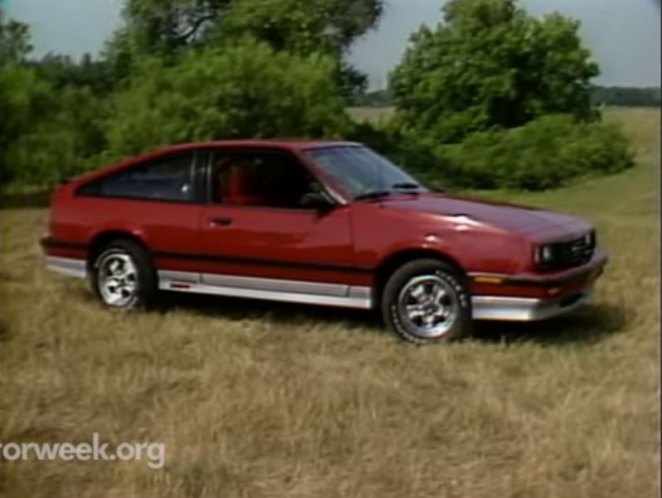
[[231, 308], [588, 325]]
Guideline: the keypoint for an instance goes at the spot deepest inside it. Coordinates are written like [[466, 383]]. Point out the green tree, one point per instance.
[[49, 112], [18, 87], [46, 134], [14, 41], [305, 27], [168, 28], [490, 64], [162, 27], [302, 27], [24, 101], [62, 71], [243, 90]]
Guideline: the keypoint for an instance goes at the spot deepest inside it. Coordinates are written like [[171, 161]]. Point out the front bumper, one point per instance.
[[522, 309], [535, 297]]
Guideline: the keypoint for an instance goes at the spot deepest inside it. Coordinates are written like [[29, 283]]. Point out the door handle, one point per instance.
[[220, 222]]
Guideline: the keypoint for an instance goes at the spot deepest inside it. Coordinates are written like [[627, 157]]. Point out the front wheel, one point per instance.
[[427, 301]]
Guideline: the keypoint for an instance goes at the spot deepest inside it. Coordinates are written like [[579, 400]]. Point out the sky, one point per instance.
[[624, 35]]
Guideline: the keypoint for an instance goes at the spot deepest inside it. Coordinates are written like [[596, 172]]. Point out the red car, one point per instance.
[[328, 223]]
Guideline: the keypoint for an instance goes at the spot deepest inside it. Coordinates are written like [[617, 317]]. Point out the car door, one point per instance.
[[255, 233]]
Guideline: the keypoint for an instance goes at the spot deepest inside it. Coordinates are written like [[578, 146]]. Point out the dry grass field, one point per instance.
[[371, 113], [262, 400]]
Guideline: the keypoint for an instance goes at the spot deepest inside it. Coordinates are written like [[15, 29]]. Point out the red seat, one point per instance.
[[237, 191]]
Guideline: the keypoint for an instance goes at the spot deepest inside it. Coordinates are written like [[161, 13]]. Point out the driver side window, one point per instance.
[[260, 179]]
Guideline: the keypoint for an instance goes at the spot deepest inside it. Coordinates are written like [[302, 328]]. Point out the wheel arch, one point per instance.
[[103, 238], [391, 263]]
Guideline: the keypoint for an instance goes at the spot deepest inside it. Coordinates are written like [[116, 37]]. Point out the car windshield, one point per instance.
[[362, 172]]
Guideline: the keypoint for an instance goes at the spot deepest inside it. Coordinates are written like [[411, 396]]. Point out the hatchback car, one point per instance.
[[325, 223]]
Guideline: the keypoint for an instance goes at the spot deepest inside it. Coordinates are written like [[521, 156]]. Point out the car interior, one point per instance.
[[261, 180]]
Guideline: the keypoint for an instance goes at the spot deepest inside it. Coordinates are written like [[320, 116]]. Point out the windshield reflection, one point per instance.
[[362, 172]]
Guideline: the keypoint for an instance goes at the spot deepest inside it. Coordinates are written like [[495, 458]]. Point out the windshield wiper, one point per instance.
[[376, 194], [406, 186]]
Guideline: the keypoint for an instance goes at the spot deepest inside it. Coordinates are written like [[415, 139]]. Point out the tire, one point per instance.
[[122, 276], [427, 301]]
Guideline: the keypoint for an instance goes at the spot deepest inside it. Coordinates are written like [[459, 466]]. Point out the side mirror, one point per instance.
[[317, 201]]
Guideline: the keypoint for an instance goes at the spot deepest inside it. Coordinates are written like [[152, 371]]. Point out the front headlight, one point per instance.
[[544, 254], [566, 253]]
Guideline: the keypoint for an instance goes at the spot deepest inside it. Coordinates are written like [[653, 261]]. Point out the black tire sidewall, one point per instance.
[[456, 280]]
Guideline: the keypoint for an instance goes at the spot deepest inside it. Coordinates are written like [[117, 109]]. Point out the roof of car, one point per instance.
[[293, 145]]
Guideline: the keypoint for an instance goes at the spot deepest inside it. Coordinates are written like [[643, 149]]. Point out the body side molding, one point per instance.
[[67, 266], [292, 291]]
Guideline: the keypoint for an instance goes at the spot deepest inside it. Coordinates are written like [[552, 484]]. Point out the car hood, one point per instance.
[[533, 223]]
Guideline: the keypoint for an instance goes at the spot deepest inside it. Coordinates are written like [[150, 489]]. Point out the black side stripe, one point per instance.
[[213, 258], [48, 242], [217, 258]]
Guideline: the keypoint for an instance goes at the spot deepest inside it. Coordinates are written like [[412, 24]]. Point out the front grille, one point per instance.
[[571, 253]]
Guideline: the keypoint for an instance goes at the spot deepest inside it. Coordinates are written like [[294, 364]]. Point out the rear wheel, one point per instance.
[[427, 301], [123, 276]]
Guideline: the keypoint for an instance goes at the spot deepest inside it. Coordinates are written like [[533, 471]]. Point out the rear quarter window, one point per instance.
[[166, 179]]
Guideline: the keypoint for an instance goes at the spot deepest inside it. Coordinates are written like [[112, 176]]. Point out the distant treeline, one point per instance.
[[626, 96], [601, 95]]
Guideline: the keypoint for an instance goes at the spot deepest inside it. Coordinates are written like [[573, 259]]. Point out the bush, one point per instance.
[[246, 90], [45, 135], [546, 153], [491, 64]]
